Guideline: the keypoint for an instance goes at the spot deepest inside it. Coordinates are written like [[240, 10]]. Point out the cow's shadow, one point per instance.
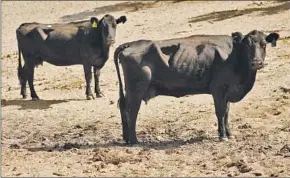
[[29, 104], [157, 145]]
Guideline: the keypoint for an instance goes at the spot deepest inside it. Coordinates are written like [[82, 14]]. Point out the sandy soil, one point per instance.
[[66, 135]]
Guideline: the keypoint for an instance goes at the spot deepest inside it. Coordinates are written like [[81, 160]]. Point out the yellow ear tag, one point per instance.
[[95, 25]]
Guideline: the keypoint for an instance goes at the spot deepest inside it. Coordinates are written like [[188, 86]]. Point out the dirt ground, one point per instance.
[[65, 135]]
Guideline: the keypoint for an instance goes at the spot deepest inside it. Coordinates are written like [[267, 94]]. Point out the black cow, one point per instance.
[[220, 65], [85, 42]]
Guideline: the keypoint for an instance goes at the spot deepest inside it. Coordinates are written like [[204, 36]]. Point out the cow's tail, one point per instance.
[[20, 69], [121, 101]]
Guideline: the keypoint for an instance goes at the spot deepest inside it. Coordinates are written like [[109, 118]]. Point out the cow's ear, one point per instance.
[[237, 37], [272, 38], [94, 22], [122, 19]]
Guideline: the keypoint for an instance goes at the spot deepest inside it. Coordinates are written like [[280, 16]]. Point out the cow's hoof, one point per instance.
[[126, 140], [134, 141], [35, 99], [90, 97], [134, 144], [100, 95], [224, 139], [24, 96], [131, 143]]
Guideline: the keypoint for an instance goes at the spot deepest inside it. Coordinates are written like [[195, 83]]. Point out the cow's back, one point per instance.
[[222, 41], [61, 46]]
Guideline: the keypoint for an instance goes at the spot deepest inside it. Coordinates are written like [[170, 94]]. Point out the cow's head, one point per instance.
[[254, 47], [107, 26]]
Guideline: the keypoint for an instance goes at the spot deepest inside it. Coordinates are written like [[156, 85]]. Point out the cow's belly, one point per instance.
[[59, 60], [175, 88], [59, 55], [178, 85], [62, 62], [96, 60]]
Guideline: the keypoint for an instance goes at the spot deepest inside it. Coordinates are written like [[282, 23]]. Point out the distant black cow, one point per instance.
[[85, 42], [220, 65]]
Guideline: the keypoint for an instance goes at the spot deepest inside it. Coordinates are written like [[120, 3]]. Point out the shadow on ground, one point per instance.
[[223, 15], [157, 145], [29, 104], [124, 6]]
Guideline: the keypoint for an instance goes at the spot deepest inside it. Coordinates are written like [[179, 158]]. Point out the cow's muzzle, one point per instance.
[[256, 65], [110, 42]]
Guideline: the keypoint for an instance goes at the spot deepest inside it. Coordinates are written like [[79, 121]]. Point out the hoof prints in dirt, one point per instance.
[[245, 126], [241, 165], [115, 157], [60, 147], [284, 151], [80, 144], [285, 89], [14, 146]]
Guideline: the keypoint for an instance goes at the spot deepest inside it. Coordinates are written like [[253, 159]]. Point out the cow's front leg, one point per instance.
[[88, 76], [30, 76], [23, 80], [97, 72], [228, 130], [221, 110]]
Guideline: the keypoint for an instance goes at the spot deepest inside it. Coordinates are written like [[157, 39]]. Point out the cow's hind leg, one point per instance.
[[88, 76], [132, 106], [29, 67], [97, 73], [124, 116], [136, 84]]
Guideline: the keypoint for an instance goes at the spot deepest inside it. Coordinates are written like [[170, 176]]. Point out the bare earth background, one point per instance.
[[65, 135]]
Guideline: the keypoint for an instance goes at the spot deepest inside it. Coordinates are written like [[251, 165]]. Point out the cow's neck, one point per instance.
[[95, 37], [98, 43], [105, 51], [248, 80], [247, 76]]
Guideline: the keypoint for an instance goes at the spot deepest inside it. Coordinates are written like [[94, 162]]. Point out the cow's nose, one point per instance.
[[260, 63], [257, 64], [110, 42]]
